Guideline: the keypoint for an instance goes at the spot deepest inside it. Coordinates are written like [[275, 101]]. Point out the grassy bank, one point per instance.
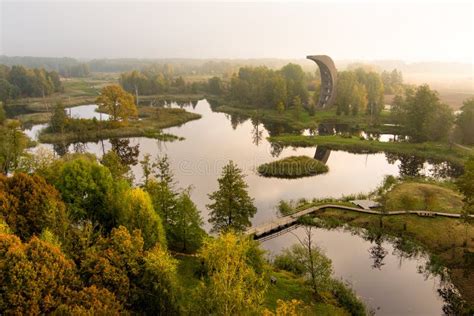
[[423, 196], [293, 167], [153, 120], [434, 151], [287, 287], [303, 120]]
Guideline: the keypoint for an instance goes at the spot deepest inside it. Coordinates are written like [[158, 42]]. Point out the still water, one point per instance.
[[389, 284], [210, 142]]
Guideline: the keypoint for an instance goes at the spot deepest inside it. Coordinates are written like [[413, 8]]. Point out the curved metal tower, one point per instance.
[[328, 79]]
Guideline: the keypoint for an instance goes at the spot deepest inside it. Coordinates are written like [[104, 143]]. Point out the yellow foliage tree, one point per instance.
[[232, 286], [288, 308], [117, 102]]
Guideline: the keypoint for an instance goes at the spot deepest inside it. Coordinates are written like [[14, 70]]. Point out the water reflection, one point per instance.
[[322, 154], [387, 278], [127, 154], [413, 166]]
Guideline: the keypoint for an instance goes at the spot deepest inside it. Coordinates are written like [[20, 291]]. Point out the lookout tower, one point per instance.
[[328, 79]]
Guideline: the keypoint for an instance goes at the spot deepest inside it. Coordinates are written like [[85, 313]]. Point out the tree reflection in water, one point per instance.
[[128, 154]]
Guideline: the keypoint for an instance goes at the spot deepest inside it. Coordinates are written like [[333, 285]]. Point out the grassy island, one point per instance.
[[151, 121], [293, 167]]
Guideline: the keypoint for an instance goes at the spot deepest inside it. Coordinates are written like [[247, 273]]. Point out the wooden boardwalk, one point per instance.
[[281, 224]]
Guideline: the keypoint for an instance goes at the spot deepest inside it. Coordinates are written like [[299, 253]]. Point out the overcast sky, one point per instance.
[[410, 30]]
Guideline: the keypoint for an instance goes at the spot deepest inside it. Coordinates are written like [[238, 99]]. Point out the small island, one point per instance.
[[126, 119], [293, 167]]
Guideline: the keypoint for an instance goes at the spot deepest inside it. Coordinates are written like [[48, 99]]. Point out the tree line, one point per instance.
[[423, 117], [357, 91], [19, 81], [157, 80]]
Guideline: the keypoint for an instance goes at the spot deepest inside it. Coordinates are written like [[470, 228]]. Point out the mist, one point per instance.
[[345, 30]]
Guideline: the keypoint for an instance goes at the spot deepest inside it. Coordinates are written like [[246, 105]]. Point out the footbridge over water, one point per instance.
[[283, 224]]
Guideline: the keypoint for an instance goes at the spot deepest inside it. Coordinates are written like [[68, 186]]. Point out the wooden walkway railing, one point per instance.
[[283, 223]]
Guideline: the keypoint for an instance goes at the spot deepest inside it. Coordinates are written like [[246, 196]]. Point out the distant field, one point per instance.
[[451, 97]]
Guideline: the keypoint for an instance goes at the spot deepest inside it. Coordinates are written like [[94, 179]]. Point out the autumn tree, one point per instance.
[[231, 286], [35, 276], [136, 212], [29, 205], [114, 262], [289, 308], [118, 103], [90, 301], [145, 282], [231, 206], [159, 284]]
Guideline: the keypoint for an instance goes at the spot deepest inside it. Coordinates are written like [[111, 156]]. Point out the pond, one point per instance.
[[217, 138]]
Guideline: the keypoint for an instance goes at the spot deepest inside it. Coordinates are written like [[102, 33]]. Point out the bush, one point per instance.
[[293, 167], [286, 261], [285, 208], [347, 299]]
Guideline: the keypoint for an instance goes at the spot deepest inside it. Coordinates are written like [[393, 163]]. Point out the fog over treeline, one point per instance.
[[349, 30]]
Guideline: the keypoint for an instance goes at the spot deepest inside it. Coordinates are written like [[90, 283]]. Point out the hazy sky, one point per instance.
[[408, 30]]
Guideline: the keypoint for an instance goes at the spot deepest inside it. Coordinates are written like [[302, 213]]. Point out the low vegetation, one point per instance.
[[423, 196], [293, 167], [152, 121], [296, 122], [428, 150]]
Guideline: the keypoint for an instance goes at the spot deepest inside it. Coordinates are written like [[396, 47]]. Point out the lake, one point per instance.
[[395, 289]]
